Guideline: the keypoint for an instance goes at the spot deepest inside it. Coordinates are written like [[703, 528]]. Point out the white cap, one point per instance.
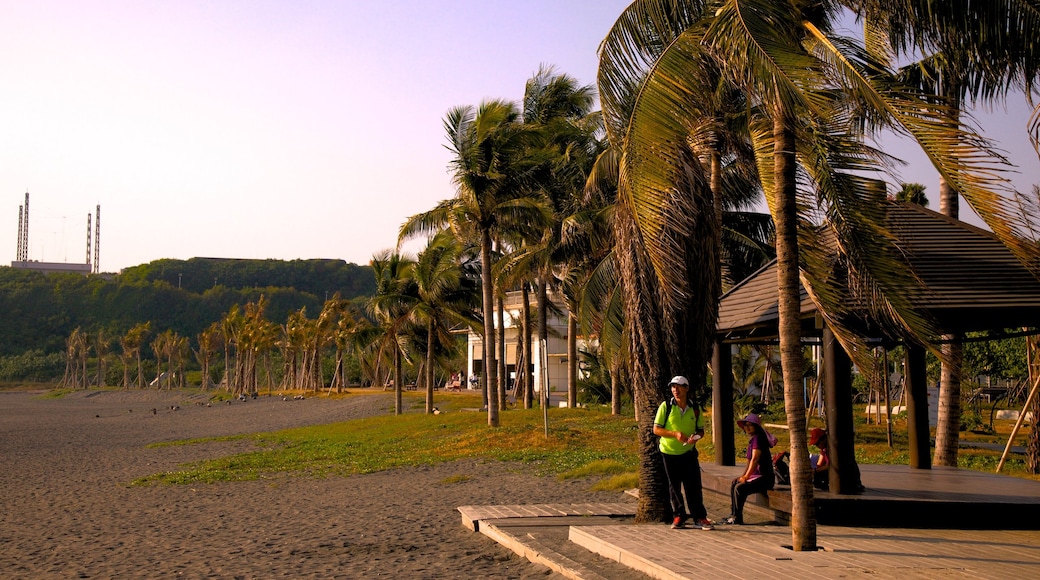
[[679, 380]]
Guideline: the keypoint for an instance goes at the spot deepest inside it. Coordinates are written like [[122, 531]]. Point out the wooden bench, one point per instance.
[[774, 504]]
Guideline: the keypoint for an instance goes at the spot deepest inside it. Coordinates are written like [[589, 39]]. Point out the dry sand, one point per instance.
[[67, 511]]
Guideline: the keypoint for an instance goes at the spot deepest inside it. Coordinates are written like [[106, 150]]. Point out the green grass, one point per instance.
[[577, 438], [582, 443]]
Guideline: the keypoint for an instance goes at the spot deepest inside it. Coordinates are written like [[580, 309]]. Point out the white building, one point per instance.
[[556, 349]]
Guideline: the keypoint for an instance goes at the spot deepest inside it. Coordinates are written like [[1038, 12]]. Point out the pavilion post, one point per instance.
[[844, 473], [917, 407], [722, 404]]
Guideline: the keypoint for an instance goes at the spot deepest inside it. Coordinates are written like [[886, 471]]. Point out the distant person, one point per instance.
[[679, 424], [758, 476], [821, 461]]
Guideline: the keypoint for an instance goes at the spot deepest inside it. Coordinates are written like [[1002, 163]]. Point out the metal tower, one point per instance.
[[89, 234], [97, 241]]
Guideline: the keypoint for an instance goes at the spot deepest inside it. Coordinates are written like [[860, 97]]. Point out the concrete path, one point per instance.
[[657, 551]]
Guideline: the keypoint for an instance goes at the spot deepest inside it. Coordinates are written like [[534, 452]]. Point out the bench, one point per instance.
[[774, 504]]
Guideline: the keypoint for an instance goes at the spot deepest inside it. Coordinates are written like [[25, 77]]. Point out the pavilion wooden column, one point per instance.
[[837, 376], [722, 404], [916, 386]]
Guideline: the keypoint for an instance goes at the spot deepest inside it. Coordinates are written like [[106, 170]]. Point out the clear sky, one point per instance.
[[271, 129]]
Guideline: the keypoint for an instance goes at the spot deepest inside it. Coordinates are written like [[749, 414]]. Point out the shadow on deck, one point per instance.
[[897, 496]]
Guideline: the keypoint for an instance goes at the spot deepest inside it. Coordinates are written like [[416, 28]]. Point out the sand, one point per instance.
[[67, 510]]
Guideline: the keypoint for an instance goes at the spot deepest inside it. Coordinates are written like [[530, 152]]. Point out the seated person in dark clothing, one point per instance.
[[820, 462]]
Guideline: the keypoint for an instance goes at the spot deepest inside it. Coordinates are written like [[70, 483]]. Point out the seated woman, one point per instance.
[[758, 477], [820, 462]]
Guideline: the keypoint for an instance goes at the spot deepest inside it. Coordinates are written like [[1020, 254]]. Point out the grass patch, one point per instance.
[[582, 443], [577, 437], [620, 482]]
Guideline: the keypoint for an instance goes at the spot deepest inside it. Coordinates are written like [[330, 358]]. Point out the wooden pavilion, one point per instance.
[[970, 282]]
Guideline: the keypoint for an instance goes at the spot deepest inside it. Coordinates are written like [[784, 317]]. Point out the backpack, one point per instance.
[[781, 468]]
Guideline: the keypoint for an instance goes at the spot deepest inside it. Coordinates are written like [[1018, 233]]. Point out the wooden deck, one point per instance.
[[897, 496]]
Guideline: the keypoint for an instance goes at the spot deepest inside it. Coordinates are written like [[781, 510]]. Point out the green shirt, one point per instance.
[[689, 421]]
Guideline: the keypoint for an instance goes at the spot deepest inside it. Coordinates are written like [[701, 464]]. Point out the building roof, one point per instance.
[[971, 281]]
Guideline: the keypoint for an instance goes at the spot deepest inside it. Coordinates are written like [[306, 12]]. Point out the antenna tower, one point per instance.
[[18, 254], [97, 240], [24, 255], [89, 233]]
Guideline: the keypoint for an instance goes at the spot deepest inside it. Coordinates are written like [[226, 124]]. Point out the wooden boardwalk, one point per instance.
[[909, 523], [657, 551], [897, 496]]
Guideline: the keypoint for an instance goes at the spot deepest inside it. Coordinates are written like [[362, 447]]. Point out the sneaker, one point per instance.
[[678, 524], [705, 524], [729, 520]]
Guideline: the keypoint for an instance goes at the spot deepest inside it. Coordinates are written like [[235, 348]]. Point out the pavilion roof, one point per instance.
[[971, 281]]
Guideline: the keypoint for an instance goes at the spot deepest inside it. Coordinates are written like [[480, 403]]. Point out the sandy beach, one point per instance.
[[67, 510]]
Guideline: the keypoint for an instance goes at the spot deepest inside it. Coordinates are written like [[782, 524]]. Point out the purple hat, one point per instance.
[[751, 418]]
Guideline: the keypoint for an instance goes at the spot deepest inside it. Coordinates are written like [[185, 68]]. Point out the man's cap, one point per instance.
[[679, 380]]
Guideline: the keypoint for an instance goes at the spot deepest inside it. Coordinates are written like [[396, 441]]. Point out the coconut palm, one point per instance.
[[208, 341], [488, 169], [811, 94], [972, 53], [444, 297], [395, 292]]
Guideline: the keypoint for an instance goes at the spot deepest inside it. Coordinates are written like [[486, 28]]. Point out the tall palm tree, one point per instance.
[[391, 305], [208, 341], [488, 147], [444, 297], [557, 110], [804, 86]]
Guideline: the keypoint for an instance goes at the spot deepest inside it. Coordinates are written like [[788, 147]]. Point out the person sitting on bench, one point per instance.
[[821, 461], [758, 477]]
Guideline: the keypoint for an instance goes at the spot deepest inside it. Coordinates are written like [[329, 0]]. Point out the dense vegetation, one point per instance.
[[40, 311]]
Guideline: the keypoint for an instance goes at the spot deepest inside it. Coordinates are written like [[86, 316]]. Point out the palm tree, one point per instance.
[[487, 145], [443, 297], [208, 341], [912, 193], [972, 52], [395, 292], [799, 79]]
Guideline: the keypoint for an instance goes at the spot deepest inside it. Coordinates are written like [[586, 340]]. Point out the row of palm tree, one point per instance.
[[416, 303]]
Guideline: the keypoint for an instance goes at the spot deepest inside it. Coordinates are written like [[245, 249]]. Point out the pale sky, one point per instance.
[[271, 129]]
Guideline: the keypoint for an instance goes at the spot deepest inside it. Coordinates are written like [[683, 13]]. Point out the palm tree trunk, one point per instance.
[[948, 423], [503, 374], [646, 361], [490, 362], [528, 352], [572, 359], [542, 297], [398, 375], [803, 523], [615, 388], [429, 367]]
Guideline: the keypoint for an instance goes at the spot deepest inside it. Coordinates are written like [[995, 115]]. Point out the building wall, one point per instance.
[[556, 349], [53, 267]]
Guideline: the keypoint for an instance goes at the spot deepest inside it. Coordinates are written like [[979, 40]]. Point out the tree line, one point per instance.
[[40, 311]]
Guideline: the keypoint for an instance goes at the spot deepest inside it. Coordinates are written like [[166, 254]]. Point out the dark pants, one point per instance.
[[739, 492], [684, 475]]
